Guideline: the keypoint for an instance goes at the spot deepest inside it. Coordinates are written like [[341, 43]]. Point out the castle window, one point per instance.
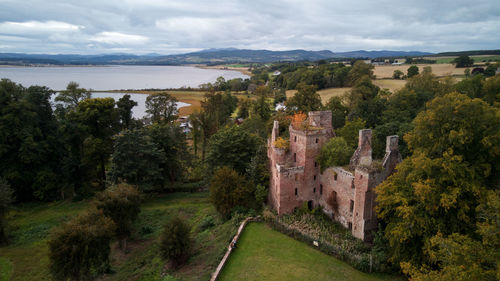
[[320, 189], [295, 139], [314, 190], [314, 177], [351, 207], [335, 176], [295, 157], [315, 164], [317, 140], [350, 226], [296, 192]]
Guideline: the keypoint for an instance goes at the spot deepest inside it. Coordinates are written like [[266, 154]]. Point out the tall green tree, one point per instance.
[[336, 152], [161, 107], [463, 61], [306, 99], [339, 112], [30, 148], [412, 71], [176, 241], [125, 105], [437, 191], [73, 95], [98, 121], [359, 70], [137, 159], [232, 147]]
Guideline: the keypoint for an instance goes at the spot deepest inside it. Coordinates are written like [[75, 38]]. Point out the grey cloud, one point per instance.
[[143, 26]]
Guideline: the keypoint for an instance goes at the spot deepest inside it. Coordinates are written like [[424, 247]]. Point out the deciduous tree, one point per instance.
[[161, 107], [176, 241]]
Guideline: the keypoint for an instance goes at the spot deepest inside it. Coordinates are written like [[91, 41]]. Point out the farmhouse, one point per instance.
[[345, 194]]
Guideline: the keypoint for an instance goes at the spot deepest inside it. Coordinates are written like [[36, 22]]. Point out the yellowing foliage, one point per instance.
[[281, 143]]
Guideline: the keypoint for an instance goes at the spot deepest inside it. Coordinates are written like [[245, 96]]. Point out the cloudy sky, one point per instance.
[[177, 26]]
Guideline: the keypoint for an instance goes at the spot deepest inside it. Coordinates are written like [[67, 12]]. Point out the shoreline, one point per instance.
[[243, 70]]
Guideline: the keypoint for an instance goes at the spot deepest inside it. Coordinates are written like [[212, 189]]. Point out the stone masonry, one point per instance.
[[347, 196]]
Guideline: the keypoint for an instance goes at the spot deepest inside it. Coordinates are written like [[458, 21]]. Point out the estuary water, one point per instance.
[[116, 77]]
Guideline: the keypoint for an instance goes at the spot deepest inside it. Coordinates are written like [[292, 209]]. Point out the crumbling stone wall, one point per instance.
[[345, 196]]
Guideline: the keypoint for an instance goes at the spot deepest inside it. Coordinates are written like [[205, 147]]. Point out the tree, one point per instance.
[[73, 95], [6, 199], [98, 121], [30, 146], [261, 106], [161, 107], [336, 152], [363, 90], [437, 191], [233, 147], [350, 132], [170, 139], [137, 159], [79, 249], [228, 189], [412, 71], [125, 105], [463, 61], [339, 111], [398, 74], [491, 90], [306, 99], [122, 204], [175, 241], [258, 170], [359, 70]]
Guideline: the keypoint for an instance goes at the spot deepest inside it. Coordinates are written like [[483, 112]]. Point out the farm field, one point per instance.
[[477, 59], [29, 225], [386, 71], [265, 254], [325, 94], [391, 84]]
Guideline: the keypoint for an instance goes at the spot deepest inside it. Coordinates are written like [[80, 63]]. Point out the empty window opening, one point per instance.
[[335, 177], [314, 177], [314, 190], [320, 189], [315, 164], [310, 205], [350, 226], [295, 157], [296, 192], [351, 207], [295, 139], [317, 140]]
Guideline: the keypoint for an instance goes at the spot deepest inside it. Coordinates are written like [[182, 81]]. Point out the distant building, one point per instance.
[[276, 73], [399, 61], [280, 106], [346, 194]]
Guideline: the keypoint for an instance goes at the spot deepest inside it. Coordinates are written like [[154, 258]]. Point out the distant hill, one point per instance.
[[209, 56]]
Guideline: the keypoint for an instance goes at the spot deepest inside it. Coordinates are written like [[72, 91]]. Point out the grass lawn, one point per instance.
[[265, 254], [26, 257]]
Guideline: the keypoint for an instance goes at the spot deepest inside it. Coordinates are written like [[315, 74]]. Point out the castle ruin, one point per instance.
[[347, 195]]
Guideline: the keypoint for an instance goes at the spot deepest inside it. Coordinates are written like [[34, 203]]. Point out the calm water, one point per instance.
[[117, 77]]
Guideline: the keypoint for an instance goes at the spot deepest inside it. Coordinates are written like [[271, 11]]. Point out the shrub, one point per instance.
[[207, 223], [79, 249], [261, 194], [175, 242], [281, 143], [121, 203]]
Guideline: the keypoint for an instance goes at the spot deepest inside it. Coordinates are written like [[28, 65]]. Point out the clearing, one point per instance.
[[386, 71], [325, 94], [265, 254], [29, 225]]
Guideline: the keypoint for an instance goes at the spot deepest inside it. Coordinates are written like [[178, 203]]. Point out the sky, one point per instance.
[[180, 26]]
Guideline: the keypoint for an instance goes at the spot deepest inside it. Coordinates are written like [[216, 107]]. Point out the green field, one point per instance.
[[29, 225], [265, 254]]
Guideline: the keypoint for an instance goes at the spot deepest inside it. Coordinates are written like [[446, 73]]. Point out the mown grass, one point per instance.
[[265, 254], [29, 225]]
